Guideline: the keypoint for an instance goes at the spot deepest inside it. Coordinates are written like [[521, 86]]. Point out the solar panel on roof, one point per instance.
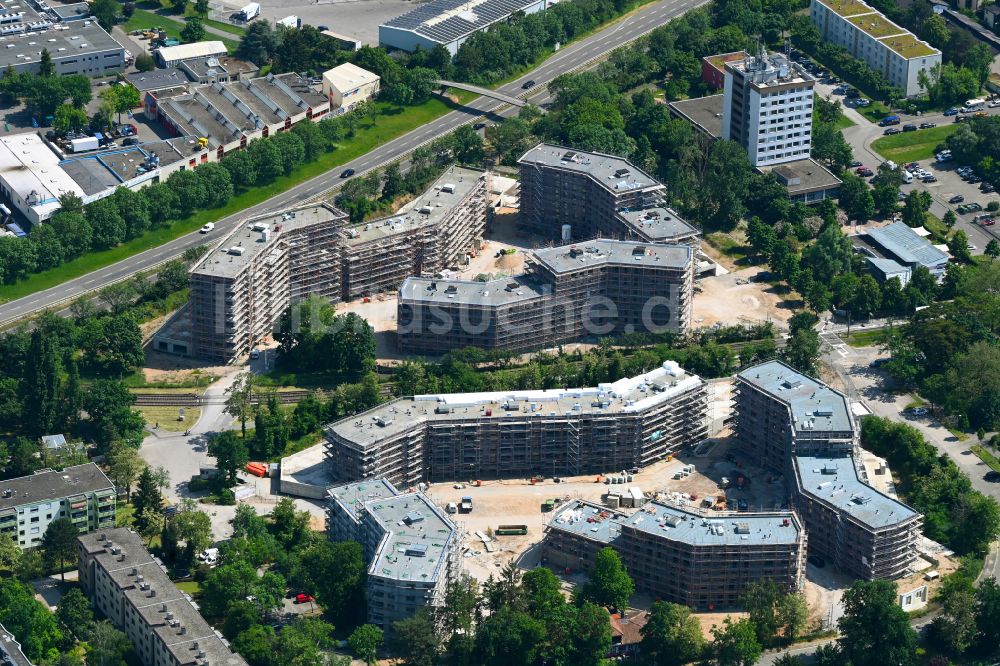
[[476, 16]]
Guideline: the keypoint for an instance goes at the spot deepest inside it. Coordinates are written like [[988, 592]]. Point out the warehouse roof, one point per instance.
[[601, 252], [835, 481], [73, 39], [445, 21], [158, 79], [907, 246], [613, 173], [627, 395], [172, 54], [678, 524], [348, 76], [48, 485], [28, 166], [814, 406]]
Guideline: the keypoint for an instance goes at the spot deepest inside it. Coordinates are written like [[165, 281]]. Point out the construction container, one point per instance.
[[548, 505], [612, 501], [511, 530], [257, 469]]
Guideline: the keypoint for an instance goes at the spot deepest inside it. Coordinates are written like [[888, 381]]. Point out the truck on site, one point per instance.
[[451, 508], [466, 505], [511, 530], [248, 13], [292, 22], [548, 505], [84, 144]]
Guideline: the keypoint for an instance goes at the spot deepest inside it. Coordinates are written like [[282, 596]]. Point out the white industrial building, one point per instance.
[[869, 36], [347, 86], [450, 22], [169, 56], [767, 108]]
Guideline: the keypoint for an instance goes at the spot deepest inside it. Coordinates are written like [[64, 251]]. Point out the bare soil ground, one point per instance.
[[737, 298]]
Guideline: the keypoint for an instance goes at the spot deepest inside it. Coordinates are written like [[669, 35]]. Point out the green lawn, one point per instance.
[[913, 146], [390, 123], [875, 111], [843, 122], [727, 245], [192, 587], [986, 456], [226, 27], [864, 338], [142, 19]]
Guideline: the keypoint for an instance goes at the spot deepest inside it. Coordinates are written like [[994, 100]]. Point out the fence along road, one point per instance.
[[578, 55]]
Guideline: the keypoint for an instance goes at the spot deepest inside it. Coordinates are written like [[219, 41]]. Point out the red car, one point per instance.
[[860, 169], [303, 598]]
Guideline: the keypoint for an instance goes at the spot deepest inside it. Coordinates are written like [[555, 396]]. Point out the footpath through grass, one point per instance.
[[390, 123], [913, 146]]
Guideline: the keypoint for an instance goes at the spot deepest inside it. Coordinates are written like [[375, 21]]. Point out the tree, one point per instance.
[[125, 464], [979, 60], [365, 642], [789, 660], [238, 404], [59, 544], [148, 502], [107, 13], [109, 405], [874, 629], [735, 644], [988, 613], [121, 98], [508, 636], [42, 387], [793, 614], [856, 199], [949, 219], [992, 249], [672, 635], [29, 620], [46, 68], [75, 614], [393, 184], [192, 526], [107, 645], [415, 640], [609, 584], [335, 573], [145, 63], [290, 527], [958, 245], [955, 628], [69, 118], [760, 599], [468, 145], [230, 453], [10, 552]]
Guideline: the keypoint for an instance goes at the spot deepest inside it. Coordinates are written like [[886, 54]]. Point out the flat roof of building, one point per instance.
[[810, 174], [887, 267], [120, 552], [876, 25], [503, 291], [417, 538], [157, 79], [193, 50], [659, 224], [220, 262], [677, 524], [705, 113], [63, 40], [102, 171], [612, 172], [814, 406], [627, 395], [909, 46], [601, 252], [719, 60], [848, 7], [773, 69], [908, 246], [72, 11], [46, 485], [445, 21], [349, 76], [28, 165], [427, 209], [353, 496], [836, 482]]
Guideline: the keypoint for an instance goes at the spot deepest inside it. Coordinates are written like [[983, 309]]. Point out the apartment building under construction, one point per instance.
[[680, 555], [244, 284], [797, 425], [632, 422], [600, 288], [411, 547], [571, 195]]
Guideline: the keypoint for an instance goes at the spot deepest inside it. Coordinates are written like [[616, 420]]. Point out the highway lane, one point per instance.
[[573, 57]]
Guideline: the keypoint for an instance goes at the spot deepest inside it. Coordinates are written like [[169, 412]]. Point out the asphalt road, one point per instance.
[[575, 56]]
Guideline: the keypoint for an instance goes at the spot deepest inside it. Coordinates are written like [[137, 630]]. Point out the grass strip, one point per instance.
[[913, 146]]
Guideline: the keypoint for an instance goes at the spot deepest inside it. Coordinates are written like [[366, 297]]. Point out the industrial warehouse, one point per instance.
[[632, 422], [566, 293], [411, 546], [241, 287]]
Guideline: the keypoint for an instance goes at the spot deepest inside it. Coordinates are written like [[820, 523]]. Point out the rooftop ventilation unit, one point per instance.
[[416, 550]]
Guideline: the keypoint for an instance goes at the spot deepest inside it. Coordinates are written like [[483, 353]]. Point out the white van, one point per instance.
[[974, 104], [907, 176]]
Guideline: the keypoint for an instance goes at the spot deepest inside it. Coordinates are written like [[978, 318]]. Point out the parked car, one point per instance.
[[347, 173], [953, 111], [992, 476], [968, 208], [994, 103], [302, 598], [909, 127], [929, 178], [854, 164], [861, 167], [892, 130], [130, 141], [864, 102], [918, 411], [866, 173], [927, 125], [958, 198], [208, 227], [530, 83]]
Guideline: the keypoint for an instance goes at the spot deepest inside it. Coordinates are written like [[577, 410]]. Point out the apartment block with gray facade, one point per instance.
[[594, 289], [632, 422], [81, 493], [411, 546]]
